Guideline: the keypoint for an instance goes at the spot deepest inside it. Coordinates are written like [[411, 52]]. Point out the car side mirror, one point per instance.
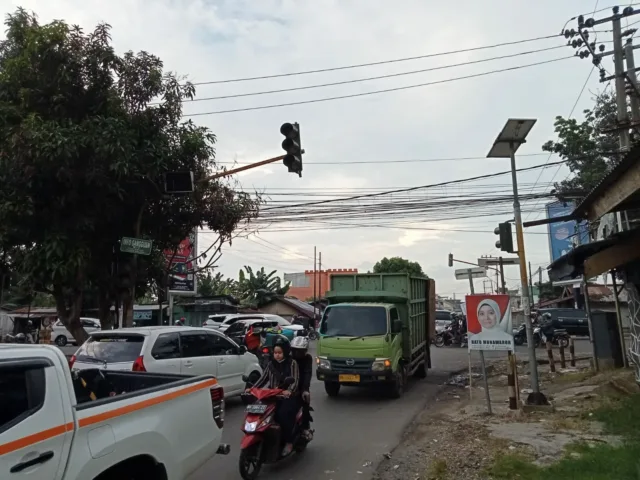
[[288, 381], [242, 350], [396, 326]]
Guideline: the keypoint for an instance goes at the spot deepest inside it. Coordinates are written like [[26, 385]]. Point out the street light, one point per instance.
[[514, 134]]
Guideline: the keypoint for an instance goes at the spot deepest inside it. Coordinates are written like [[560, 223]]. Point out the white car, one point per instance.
[[61, 336], [54, 428], [170, 349], [233, 318]]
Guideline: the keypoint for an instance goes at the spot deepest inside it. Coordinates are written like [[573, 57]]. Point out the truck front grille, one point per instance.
[[359, 364]]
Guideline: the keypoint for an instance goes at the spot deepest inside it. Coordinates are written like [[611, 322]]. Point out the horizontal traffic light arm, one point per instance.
[[243, 168], [475, 264]]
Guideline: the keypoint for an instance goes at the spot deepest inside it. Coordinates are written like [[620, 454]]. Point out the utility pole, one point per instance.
[[319, 277], [504, 287], [631, 76], [315, 257], [621, 96], [539, 287]]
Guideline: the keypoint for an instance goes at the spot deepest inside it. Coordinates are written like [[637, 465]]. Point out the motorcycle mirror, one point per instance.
[[245, 379], [288, 381]]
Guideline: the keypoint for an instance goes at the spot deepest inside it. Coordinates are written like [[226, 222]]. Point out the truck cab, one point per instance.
[[375, 331]]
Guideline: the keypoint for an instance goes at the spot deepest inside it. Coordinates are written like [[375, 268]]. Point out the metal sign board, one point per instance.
[[477, 272], [487, 261], [139, 246], [182, 266]]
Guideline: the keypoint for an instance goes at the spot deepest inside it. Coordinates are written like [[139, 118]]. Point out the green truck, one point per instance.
[[377, 329]]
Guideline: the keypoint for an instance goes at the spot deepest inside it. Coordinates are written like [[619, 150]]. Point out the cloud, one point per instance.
[[211, 40]]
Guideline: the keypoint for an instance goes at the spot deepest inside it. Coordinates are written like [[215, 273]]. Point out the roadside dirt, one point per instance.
[[455, 438]]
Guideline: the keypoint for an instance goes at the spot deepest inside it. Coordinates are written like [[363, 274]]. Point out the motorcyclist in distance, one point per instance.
[[299, 351]]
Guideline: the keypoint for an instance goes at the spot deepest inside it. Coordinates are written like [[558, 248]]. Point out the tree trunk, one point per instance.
[[104, 308], [127, 309], [69, 308]]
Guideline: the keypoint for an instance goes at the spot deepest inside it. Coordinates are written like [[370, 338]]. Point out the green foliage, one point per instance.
[[398, 265], [210, 285], [548, 292], [259, 287], [601, 462], [85, 138], [588, 146]]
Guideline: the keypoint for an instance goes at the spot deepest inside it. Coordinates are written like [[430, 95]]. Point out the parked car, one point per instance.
[[155, 426], [61, 336], [173, 350], [284, 323]]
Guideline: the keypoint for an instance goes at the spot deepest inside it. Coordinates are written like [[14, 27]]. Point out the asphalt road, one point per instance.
[[354, 430]]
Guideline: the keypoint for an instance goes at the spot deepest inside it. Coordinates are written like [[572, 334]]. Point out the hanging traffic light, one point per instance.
[[506, 239], [292, 145], [451, 259]]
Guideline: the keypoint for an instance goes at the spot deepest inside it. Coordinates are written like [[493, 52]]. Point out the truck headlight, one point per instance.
[[323, 363], [381, 364]]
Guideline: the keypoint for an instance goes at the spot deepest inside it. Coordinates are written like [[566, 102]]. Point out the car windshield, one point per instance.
[[354, 321], [111, 348]]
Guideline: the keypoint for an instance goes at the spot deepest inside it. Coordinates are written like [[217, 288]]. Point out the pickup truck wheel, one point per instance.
[[249, 465], [61, 340], [332, 388]]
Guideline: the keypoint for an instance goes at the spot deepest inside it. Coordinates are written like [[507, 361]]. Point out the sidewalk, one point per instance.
[[456, 439]]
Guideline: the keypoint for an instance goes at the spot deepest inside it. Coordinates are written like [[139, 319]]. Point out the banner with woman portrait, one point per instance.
[[489, 322]]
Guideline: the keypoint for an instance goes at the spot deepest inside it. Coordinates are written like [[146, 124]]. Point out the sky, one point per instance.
[[209, 41]]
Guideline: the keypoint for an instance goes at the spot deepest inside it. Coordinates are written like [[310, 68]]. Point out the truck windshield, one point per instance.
[[354, 321], [112, 348]]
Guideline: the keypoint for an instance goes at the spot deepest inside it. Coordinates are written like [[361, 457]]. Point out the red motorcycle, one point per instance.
[[262, 442]]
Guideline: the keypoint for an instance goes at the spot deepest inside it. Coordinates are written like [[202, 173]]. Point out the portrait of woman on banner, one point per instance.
[[492, 326]]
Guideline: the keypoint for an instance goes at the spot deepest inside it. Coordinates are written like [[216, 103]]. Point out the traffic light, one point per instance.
[[506, 239], [178, 182], [292, 145], [451, 259]]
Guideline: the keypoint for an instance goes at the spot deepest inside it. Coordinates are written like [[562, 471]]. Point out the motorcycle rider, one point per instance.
[[546, 326], [279, 368], [180, 322], [299, 352]]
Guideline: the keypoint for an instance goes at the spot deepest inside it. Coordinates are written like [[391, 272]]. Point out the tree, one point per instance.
[[210, 285], [398, 265], [259, 288], [590, 147], [85, 139]]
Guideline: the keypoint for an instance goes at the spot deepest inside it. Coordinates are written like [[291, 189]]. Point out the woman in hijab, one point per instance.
[[278, 369], [494, 327]]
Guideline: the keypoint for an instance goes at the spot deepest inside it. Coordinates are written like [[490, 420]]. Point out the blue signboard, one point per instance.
[[563, 236]]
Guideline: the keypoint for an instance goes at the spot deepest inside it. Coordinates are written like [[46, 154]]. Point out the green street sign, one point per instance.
[[139, 246]]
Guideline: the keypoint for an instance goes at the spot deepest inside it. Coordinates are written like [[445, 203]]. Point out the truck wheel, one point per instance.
[[396, 388], [332, 388], [249, 464], [421, 371], [61, 340]]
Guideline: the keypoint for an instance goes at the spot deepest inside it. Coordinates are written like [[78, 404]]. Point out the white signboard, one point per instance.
[[477, 272]]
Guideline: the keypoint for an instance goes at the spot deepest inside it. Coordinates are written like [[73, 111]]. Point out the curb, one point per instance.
[[545, 361]]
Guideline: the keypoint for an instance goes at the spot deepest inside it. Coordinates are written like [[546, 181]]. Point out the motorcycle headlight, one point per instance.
[[250, 426], [381, 364], [323, 363]]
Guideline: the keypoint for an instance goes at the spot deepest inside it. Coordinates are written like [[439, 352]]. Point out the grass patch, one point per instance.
[[574, 377], [437, 470], [585, 462]]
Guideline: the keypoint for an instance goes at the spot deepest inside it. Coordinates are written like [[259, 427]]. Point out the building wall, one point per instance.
[[279, 308], [322, 282]]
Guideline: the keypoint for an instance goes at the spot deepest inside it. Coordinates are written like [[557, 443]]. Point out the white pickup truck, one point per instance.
[[55, 426]]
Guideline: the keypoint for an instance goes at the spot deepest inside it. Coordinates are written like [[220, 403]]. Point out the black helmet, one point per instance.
[[282, 342]]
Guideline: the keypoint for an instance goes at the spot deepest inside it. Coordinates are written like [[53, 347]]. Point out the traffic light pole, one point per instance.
[[536, 397], [226, 173]]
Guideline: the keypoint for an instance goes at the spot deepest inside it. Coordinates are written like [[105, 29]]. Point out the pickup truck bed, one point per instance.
[[162, 426]]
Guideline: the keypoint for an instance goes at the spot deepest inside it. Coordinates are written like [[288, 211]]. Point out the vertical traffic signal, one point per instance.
[[292, 145], [506, 239], [451, 259]]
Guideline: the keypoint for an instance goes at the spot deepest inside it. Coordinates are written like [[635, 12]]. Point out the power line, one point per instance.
[[374, 92], [379, 77], [382, 62], [424, 160], [450, 182]]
